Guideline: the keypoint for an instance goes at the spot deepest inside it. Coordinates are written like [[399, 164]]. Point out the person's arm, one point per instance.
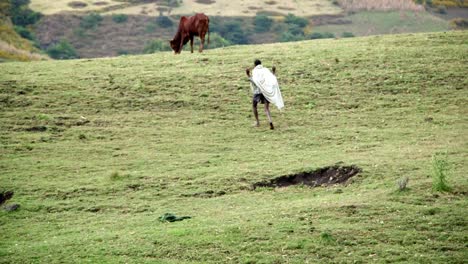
[[247, 71]]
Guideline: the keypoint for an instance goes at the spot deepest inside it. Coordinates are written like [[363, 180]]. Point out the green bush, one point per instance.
[[262, 23], [63, 50], [156, 46], [119, 18], [91, 21], [299, 21], [25, 33], [164, 22], [21, 15], [233, 32], [347, 35], [440, 168]]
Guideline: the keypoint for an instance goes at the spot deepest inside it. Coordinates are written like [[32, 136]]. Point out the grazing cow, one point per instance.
[[189, 27]]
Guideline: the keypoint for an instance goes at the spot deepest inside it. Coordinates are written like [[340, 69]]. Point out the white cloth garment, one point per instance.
[[268, 85]]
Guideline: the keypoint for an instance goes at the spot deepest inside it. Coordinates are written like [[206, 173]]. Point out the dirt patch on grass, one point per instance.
[[36, 129], [100, 3], [77, 4], [320, 177], [206, 2]]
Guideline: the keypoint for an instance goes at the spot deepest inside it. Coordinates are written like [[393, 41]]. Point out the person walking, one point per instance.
[[265, 89]]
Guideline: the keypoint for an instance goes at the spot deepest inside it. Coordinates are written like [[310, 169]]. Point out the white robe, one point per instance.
[[268, 85]]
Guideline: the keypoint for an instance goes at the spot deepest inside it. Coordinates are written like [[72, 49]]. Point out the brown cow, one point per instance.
[[196, 25]]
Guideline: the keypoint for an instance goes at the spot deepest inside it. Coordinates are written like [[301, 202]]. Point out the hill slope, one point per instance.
[[15, 48], [97, 150], [225, 8]]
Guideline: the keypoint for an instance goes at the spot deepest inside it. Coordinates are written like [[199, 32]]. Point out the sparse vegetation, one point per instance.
[[91, 21], [382, 5], [347, 35], [156, 46]]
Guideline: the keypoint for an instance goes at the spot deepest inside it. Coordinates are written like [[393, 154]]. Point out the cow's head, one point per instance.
[[175, 46]]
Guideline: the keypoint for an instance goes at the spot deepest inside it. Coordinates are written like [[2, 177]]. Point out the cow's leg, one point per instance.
[[202, 41], [191, 44]]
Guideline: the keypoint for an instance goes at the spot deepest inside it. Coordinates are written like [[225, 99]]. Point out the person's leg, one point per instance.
[[267, 111], [255, 111]]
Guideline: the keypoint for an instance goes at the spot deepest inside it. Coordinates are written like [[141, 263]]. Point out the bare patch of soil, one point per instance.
[[5, 196], [100, 3], [36, 129], [77, 4], [286, 8], [206, 2], [320, 177]]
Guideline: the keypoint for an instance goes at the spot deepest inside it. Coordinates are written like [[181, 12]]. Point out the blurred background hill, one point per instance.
[[91, 28]]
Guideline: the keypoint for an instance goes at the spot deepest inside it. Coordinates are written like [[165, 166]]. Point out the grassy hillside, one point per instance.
[[97, 150], [374, 23]]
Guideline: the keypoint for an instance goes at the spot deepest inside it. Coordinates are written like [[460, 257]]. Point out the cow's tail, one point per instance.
[[208, 33]]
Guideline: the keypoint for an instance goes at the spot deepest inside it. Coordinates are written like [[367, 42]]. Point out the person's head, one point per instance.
[[257, 62]]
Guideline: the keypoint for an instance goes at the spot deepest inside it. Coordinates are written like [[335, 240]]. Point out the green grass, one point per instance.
[[129, 139], [395, 22]]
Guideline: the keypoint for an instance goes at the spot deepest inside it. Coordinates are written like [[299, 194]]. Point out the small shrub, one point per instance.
[[327, 237], [119, 18], [402, 184], [164, 22], [347, 35], [321, 35], [91, 21], [62, 51], [116, 176], [440, 168]]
